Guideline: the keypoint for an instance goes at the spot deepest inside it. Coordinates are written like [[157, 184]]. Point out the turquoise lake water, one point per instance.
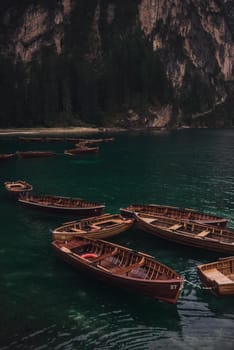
[[45, 304]]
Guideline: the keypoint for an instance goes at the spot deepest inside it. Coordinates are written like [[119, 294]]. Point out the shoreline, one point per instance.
[[56, 131]]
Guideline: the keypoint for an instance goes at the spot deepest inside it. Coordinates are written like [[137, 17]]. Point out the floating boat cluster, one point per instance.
[[82, 146], [80, 243]]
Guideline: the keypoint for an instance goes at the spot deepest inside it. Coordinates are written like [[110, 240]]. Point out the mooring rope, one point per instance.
[[196, 285]]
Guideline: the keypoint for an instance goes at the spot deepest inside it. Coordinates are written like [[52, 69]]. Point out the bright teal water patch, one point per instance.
[[47, 305]]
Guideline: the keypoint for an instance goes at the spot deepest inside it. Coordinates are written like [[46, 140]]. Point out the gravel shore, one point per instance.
[[56, 131]]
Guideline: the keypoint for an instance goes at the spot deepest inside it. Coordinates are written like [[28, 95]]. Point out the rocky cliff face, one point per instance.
[[193, 38], [202, 28]]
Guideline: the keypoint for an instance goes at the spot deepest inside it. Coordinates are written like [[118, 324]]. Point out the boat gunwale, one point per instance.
[[24, 201], [215, 244], [207, 218], [92, 221], [89, 264], [167, 289]]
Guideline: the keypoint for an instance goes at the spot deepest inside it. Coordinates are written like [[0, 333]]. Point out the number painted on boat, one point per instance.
[[173, 286]]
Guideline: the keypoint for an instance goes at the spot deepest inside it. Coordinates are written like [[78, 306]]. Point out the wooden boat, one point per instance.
[[67, 205], [73, 139], [108, 139], [121, 267], [35, 154], [17, 187], [81, 150], [88, 142], [218, 276], [103, 226], [174, 212], [85, 142], [188, 233], [6, 156]]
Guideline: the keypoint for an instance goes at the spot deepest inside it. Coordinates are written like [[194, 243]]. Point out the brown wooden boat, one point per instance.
[[73, 139], [103, 226], [218, 276], [121, 267], [88, 142], [6, 156], [60, 204], [188, 233], [174, 212], [109, 139], [35, 154], [17, 187], [81, 150], [92, 141]]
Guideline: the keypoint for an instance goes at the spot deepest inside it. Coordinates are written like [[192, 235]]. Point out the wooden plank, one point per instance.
[[122, 270], [66, 250], [103, 256], [74, 229], [217, 276], [203, 233], [150, 220], [175, 227]]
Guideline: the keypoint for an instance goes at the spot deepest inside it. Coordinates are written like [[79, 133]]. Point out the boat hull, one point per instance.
[[174, 212], [167, 291], [83, 212], [215, 289], [100, 234], [218, 276], [8, 156], [26, 155], [18, 187], [187, 239]]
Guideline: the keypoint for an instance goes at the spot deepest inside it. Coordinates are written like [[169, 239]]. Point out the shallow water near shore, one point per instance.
[[45, 304]]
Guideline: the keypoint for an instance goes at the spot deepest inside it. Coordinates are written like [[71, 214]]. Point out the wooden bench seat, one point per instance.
[[123, 270], [150, 220], [231, 276], [74, 229], [175, 227], [104, 256], [203, 233], [217, 276]]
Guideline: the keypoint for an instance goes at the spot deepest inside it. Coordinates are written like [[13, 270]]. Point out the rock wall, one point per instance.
[[203, 31], [194, 38]]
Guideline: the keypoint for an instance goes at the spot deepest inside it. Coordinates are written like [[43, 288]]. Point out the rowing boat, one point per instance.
[[188, 233], [81, 150], [103, 226], [174, 212], [60, 204], [17, 187], [218, 276], [6, 156], [35, 154], [121, 267]]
